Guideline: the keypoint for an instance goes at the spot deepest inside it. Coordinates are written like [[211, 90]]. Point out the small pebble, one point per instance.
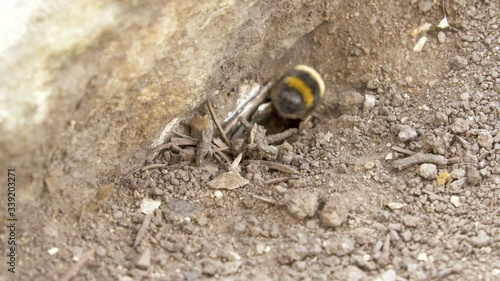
[[407, 133], [428, 171], [100, 251], [334, 213], [53, 251], [473, 177], [369, 103], [481, 240], [485, 139], [458, 62], [118, 214], [301, 204], [144, 261], [455, 200], [441, 37], [218, 194], [369, 165], [422, 257], [425, 6], [457, 174]]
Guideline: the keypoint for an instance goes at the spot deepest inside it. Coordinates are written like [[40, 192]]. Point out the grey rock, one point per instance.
[[351, 273], [301, 204], [473, 177], [428, 171], [481, 240], [459, 126], [118, 214], [372, 84], [339, 247], [407, 133], [192, 275], [455, 186], [100, 251], [441, 37], [425, 6], [457, 174], [230, 267], [144, 261], [292, 254], [410, 221], [389, 275], [211, 267], [364, 235], [458, 62], [485, 139], [334, 212]]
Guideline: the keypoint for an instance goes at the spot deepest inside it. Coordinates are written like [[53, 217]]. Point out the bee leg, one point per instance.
[[306, 123]]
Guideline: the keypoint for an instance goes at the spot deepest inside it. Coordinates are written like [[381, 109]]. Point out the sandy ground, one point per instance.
[[353, 211]]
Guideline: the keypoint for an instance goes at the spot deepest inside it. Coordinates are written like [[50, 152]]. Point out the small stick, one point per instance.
[[177, 143], [247, 108], [278, 167], [176, 148], [244, 122], [184, 136], [267, 200], [73, 270], [403, 150], [152, 166], [419, 158], [277, 180], [143, 229], [281, 136], [217, 123]]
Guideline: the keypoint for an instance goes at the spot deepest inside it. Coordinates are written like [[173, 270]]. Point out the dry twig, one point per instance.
[[143, 229], [278, 180], [420, 158], [402, 150], [153, 166], [267, 200], [281, 136], [217, 123], [73, 270], [176, 143], [278, 166]]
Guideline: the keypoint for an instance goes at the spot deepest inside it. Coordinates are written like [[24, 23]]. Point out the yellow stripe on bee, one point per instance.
[[314, 74], [304, 90]]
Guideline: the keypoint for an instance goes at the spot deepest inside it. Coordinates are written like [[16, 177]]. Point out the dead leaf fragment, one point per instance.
[[228, 180]]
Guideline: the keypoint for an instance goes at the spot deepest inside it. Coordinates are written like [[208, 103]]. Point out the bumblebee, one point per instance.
[[297, 93]]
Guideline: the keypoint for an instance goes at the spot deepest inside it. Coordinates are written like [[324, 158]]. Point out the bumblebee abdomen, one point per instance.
[[297, 94]]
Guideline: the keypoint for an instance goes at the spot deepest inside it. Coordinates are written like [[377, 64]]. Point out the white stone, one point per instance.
[[148, 206], [218, 194], [422, 257], [369, 102], [420, 45], [455, 200], [53, 251]]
